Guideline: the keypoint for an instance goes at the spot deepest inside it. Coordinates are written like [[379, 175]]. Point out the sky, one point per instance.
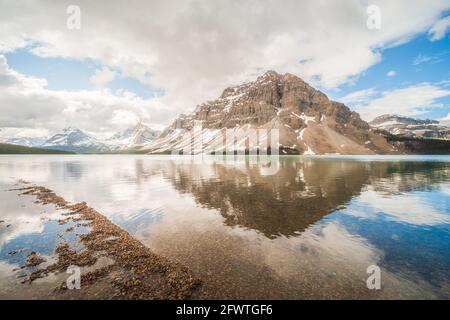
[[102, 65]]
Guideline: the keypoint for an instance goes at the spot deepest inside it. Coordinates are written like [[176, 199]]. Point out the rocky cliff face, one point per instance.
[[412, 128], [308, 122]]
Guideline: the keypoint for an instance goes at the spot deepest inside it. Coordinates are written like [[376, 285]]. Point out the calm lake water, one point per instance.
[[310, 230]]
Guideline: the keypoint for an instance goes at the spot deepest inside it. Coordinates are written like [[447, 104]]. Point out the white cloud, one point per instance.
[[439, 29], [432, 59], [403, 208], [359, 96], [193, 49], [8, 132], [103, 76], [25, 102], [391, 73], [124, 117], [11, 78], [410, 101], [421, 59]]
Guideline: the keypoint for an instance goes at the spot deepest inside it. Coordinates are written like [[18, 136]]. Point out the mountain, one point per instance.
[[412, 128], [26, 141], [308, 122], [132, 137], [74, 140], [21, 141]]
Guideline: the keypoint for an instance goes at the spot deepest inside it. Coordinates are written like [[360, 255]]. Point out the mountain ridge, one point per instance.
[[132, 137], [72, 139], [410, 127], [308, 122]]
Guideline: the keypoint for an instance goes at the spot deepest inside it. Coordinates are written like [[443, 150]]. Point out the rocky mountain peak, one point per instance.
[[306, 118], [269, 76]]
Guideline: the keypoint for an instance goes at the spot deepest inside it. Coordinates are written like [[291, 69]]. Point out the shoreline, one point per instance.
[[131, 269]]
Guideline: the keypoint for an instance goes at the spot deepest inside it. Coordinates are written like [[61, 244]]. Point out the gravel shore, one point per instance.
[[114, 259]]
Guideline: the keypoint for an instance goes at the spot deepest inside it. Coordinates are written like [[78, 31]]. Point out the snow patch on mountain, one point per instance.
[[75, 140], [131, 137], [283, 103], [410, 127]]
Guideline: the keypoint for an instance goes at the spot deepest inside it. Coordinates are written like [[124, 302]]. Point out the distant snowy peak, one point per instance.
[[132, 137], [70, 136], [74, 139], [123, 135], [392, 120], [143, 134], [26, 141], [410, 127], [21, 140]]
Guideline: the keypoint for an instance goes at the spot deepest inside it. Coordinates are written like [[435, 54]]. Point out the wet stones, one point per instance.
[[33, 259], [136, 272]]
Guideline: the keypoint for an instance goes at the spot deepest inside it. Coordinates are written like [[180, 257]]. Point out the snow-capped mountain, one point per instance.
[[25, 141], [132, 137], [307, 121], [21, 140], [75, 140], [409, 127]]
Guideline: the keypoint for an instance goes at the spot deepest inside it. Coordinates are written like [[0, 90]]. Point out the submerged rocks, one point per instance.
[[134, 270], [33, 259]]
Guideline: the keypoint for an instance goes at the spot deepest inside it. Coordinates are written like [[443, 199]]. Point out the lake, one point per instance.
[[309, 230]]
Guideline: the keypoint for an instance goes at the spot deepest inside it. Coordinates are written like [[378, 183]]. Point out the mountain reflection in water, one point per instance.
[[301, 193], [308, 231]]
